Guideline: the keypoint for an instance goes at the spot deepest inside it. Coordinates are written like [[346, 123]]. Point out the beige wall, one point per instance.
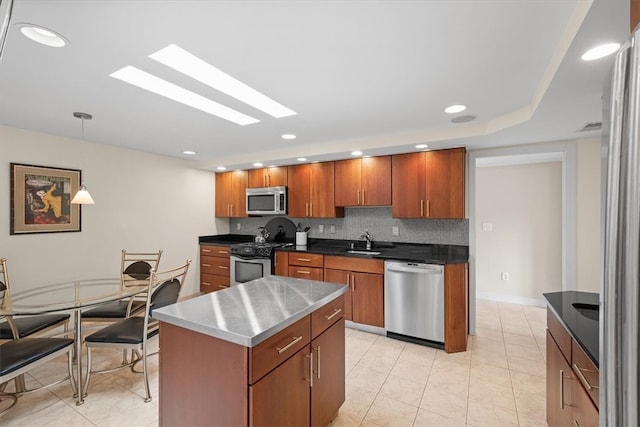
[[523, 205], [143, 202], [588, 215]]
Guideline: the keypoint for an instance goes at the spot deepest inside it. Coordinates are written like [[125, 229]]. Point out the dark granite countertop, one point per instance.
[[575, 311], [416, 252]]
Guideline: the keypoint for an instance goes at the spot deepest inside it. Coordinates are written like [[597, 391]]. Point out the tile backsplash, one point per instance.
[[377, 221]]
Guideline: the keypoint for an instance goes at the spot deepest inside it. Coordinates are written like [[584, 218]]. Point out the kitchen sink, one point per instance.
[[363, 252], [590, 311]]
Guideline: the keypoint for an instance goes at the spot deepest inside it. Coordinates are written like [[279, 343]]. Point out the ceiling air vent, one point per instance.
[[591, 126]]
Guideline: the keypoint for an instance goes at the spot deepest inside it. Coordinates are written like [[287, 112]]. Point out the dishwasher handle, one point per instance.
[[413, 267]]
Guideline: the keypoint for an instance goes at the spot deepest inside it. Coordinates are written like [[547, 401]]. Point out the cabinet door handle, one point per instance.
[[206, 283], [223, 252], [288, 346], [353, 282], [334, 314], [310, 208], [306, 209], [303, 272], [428, 208], [363, 196], [421, 207], [222, 286], [578, 370], [224, 267], [304, 259], [318, 362], [206, 250], [206, 265], [310, 380], [358, 195]]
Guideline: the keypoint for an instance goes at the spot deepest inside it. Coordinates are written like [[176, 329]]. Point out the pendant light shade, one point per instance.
[[82, 197]]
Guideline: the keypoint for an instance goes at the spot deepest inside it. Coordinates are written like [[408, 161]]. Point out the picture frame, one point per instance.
[[41, 199]]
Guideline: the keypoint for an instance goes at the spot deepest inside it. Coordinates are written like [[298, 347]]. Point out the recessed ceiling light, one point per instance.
[[356, 153], [455, 108], [600, 51], [43, 35], [302, 159], [421, 146], [257, 164], [221, 168], [189, 152], [144, 80], [185, 62], [288, 136]]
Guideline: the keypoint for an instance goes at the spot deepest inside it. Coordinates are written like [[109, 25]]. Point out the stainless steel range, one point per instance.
[[249, 261]]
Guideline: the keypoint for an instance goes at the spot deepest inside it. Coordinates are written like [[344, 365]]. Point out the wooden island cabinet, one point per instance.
[[293, 377]]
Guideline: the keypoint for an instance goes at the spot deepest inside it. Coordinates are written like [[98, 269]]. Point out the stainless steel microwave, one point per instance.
[[267, 201]]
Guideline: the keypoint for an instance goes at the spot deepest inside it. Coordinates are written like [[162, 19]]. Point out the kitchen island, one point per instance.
[[266, 352]]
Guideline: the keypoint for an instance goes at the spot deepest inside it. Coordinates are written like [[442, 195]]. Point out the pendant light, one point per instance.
[[82, 197]]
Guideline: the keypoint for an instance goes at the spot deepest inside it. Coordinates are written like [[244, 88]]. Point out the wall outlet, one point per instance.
[[395, 230], [487, 226], [332, 229], [504, 276], [238, 226], [321, 228]]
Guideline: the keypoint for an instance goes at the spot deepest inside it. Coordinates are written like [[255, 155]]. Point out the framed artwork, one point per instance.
[[41, 199]]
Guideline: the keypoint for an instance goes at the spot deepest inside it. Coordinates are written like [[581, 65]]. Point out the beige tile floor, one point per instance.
[[500, 381]]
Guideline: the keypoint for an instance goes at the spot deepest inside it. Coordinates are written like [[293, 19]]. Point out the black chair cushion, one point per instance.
[[17, 354], [139, 270], [112, 310], [31, 324], [127, 331]]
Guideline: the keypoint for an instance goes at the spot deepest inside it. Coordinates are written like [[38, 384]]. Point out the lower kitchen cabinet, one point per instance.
[[364, 302], [282, 397], [559, 379], [214, 268]]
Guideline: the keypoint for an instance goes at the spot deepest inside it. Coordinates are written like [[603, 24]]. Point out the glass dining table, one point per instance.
[[73, 296]]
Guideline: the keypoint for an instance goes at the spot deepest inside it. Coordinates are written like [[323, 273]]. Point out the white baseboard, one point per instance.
[[513, 299]]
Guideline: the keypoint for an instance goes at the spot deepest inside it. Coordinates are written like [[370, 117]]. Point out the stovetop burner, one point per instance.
[[254, 249]]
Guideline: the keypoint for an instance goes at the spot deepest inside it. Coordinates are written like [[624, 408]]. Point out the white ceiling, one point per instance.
[[368, 75]]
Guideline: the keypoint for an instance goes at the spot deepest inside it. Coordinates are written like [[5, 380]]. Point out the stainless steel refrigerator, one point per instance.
[[620, 296]]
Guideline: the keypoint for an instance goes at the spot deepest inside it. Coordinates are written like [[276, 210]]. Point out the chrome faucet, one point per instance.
[[366, 236]]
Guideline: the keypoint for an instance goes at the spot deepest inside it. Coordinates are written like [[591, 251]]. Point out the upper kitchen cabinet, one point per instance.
[[311, 191], [231, 194], [428, 184], [363, 182], [268, 177]]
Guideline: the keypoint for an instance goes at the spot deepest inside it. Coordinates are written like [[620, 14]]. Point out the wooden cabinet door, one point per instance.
[[444, 193], [348, 182], [223, 191], [376, 181], [584, 412], [299, 190], [282, 263], [322, 203], [328, 386], [559, 392], [367, 298], [282, 397], [268, 177], [408, 185], [231, 194], [341, 277]]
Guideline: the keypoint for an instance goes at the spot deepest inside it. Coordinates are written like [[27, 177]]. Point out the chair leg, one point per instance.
[[145, 374], [70, 354], [86, 380]]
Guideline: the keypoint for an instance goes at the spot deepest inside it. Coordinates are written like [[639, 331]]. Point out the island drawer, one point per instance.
[[270, 353], [586, 372], [310, 273], [214, 265], [305, 259], [211, 283], [210, 250], [326, 316], [560, 334]]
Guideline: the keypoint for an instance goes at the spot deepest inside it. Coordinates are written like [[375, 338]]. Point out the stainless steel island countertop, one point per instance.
[[249, 313]]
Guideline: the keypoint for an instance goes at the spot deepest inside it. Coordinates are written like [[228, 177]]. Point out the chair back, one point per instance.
[[5, 295], [136, 267], [164, 289]]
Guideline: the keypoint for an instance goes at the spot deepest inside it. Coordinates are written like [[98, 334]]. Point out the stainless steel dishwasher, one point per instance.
[[414, 302]]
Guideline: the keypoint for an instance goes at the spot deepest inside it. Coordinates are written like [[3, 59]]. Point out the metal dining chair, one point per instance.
[[24, 326], [19, 356], [133, 333], [135, 270]]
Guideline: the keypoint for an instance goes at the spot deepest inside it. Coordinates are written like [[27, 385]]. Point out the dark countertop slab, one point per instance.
[[414, 252], [582, 324]]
